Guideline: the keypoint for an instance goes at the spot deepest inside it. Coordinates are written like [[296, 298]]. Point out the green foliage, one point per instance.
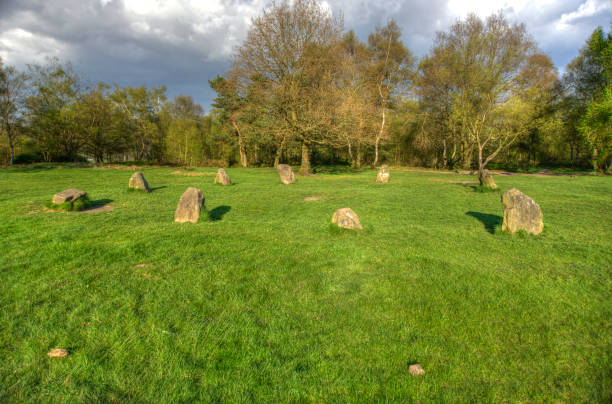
[[596, 127]]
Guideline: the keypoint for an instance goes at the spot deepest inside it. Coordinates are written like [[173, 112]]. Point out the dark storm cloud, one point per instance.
[[183, 43]]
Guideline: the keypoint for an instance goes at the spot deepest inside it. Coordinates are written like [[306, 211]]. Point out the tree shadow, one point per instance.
[[30, 168], [339, 170], [153, 189], [100, 202], [217, 213], [491, 222]]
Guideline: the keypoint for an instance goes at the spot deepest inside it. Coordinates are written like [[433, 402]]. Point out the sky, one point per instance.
[[184, 43]]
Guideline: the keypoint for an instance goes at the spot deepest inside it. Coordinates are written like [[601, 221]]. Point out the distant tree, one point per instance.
[[596, 126], [101, 124], [232, 107], [13, 87], [390, 72], [142, 107], [482, 84], [51, 110], [290, 48], [184, 136], [586, 82]]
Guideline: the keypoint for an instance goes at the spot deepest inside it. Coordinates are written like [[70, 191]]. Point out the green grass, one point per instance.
[[265, 302]]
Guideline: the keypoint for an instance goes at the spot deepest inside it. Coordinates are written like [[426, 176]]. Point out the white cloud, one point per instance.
[[183, 43], [20, 47], [587, 9]]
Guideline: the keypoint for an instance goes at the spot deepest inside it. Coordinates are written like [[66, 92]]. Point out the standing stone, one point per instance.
[[286, 174], [486, 179], [383, 174], [521, 213], [189, 206], [222, 177], [346, 218], [137, 181], [69, 195]]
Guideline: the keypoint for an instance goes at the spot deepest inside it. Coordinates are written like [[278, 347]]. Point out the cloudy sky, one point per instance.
[[183, 43]]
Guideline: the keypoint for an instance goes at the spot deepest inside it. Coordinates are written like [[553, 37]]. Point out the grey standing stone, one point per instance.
[[383, 174], [346, 218], [222, 177], [137, 181], [69, 195], [286, 174], [189, 206], [521, 213]]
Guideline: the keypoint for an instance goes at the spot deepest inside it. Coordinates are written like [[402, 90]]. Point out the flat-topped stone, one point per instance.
[[69, 195], [137, 181], [346, 218], [222, 177], [189, 206], [286, 174]]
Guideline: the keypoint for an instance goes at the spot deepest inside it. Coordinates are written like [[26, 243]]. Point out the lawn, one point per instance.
[[267, 302]]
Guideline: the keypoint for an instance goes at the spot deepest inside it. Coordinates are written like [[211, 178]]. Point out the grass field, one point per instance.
[[267, 302]]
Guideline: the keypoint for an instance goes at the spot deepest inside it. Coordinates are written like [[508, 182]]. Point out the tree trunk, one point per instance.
[[467, 156], [10, 140], [444, 159], [305, 166], [279, 152], [358, 157], [596, 159], [379, 136], [350, 153], [241, 148]]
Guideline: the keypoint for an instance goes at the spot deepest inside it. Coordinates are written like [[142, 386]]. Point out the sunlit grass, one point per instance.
[[266, 302]]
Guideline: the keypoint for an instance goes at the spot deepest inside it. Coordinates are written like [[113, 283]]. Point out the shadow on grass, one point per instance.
[[153, 189], [31, 168], [100, 202], [339, 170], [217, 213], [491, 222]]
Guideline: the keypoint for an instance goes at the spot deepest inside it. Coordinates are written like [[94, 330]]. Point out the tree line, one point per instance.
[[302, 90]]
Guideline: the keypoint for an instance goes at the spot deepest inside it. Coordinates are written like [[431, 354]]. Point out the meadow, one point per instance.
[[268, 302]]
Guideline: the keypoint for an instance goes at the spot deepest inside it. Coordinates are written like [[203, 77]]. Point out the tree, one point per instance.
[[101, 124], [596, 127], [290, 49], [142, 107], [586, 85], [51, 110], [12, 98], [232, 106], [481, 82], [390, 71], [184, 132]]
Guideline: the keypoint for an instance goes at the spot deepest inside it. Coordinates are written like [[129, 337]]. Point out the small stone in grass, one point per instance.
[[416, 370], [57, 353]]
